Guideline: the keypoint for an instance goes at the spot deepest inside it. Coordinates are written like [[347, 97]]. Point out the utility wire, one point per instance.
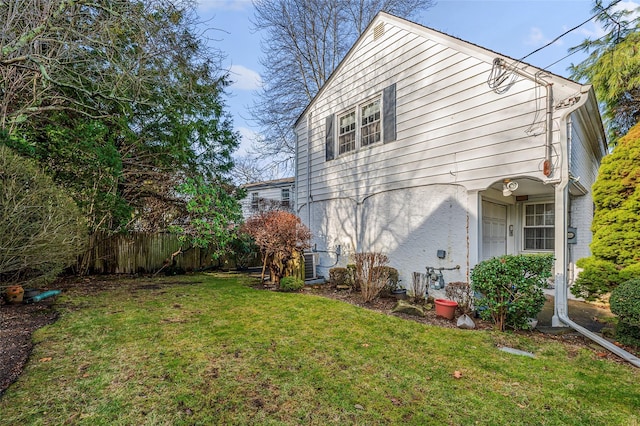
[[568, 31]]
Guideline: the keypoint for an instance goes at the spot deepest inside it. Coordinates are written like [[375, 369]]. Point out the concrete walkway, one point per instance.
[[585, 314]]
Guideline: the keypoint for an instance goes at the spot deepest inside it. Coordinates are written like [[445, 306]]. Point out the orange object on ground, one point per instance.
[[15, 293]]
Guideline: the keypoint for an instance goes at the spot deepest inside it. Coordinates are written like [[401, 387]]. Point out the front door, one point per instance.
[[494, 230]]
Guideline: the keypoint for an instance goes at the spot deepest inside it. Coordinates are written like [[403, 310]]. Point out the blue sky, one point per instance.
[[511, 27]]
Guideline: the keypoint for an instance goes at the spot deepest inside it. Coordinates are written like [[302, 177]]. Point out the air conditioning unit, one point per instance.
[[310, 263]]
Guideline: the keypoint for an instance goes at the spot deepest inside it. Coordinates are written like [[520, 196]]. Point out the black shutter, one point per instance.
[[389, 113], [329, 144]]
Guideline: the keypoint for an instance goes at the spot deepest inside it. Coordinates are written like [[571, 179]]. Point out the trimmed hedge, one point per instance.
[[625, 303]]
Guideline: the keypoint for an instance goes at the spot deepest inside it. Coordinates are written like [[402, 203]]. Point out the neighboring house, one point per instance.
[[441, 153], [268, 195]]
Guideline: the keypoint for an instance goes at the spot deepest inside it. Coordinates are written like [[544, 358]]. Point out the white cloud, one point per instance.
[[244, 78], [208, 5], [537, 38], [595, 30], [247, 137]]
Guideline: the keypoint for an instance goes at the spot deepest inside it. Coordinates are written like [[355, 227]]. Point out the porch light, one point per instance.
[[508, 187]]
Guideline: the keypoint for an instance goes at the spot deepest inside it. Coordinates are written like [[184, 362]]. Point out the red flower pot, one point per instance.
[[14, 294], [446, 308]]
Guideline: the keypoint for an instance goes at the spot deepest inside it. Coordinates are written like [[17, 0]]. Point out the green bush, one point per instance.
[[511, 288], [41, 228], [351, 270], [394, 278], [625, 301], [598, 277], [291, 284], [630, 272], [339, 276], [628, 334]]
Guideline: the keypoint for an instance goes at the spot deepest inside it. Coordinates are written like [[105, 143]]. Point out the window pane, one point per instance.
[[539, 238], [549, 215], [347, 133], [370, 123]]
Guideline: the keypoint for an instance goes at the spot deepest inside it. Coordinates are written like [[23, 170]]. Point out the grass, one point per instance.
[[212, 350]]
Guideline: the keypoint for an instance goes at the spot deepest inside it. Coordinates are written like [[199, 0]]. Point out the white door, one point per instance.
[[494, 230]]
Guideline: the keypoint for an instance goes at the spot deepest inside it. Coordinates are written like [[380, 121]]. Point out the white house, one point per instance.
[[265, 195], [441, 153]]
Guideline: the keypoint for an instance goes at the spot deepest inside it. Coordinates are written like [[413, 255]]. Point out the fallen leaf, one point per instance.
[[395, 401], [602, 354], [358, 407], [457, 374], [365, 345], [522, 406], [47, 359]]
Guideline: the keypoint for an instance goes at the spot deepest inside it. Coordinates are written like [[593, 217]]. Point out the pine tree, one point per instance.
[[615, 246]]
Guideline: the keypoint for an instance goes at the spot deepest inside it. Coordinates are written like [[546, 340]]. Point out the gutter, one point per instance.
[[561, 305]]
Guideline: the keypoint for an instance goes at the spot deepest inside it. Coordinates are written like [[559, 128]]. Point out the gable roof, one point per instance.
[[269, 183], [458, 43]]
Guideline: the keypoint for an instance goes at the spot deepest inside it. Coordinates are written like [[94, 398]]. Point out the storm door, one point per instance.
[[494, 230]]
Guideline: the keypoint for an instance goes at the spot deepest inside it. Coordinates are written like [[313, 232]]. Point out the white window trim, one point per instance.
[[358, 130], [283, 199], [255, 201], [524, 226], [355, 132]]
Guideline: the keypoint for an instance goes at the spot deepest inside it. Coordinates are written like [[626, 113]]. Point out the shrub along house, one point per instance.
[[441, 153]]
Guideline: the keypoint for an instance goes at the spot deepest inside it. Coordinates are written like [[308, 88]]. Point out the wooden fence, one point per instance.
[[143, 253]]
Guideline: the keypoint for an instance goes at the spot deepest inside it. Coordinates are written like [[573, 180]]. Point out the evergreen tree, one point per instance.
[[613, 67], [616, 222]]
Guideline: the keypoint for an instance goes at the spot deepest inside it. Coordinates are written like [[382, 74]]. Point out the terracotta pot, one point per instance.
[[15, 293], [446, 308]]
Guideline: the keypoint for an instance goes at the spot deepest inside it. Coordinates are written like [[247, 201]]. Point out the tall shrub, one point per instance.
[[281, 236], [41, 228], [370, 274], [616, 220], [510, 288]]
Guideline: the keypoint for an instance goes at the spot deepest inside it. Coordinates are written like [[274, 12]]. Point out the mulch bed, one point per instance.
[[17, 323], [386, 304]]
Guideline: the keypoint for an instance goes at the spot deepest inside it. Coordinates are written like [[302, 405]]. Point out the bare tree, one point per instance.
[[247, 170], [304, 42]]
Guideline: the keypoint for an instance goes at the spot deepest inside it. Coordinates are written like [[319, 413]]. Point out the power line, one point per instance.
[[568, 31]]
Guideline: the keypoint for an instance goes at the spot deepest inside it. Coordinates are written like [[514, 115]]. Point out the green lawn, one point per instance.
[[212, 350]]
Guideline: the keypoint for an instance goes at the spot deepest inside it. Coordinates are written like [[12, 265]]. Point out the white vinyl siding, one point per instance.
[[450, 126]]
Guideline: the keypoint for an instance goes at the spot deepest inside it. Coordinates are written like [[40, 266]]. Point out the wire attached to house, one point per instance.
[[570, 30], [502, 78], [499, 75]]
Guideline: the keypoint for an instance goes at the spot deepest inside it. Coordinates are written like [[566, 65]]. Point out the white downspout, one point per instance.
[[561, 311], [309, 170]]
